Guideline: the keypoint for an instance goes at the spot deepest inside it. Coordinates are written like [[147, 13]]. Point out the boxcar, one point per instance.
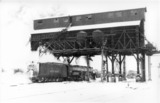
[[52, 72], [59, 72]]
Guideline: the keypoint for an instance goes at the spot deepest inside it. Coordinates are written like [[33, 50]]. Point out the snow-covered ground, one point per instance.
[[9, 78], [18, 89]]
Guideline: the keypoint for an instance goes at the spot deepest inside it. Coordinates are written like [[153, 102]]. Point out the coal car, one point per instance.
[[51, 71]]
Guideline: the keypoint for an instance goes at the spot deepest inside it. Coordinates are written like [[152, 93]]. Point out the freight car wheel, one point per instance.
[[60, 79], [50, 79], [46, 79], [41, 79], [56, 79]]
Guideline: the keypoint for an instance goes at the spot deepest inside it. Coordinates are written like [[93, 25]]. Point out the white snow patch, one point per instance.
[[11, 79]]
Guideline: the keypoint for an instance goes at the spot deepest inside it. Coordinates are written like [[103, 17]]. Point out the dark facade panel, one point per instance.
[[90, 19]]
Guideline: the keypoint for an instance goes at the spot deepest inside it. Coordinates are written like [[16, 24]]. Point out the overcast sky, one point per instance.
[[16, 23]]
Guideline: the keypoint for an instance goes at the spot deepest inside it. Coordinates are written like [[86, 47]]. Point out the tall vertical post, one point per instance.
[[104, 41], [137, 63], [69, 65], [102, 65], [138, 73], [124, 68], [107, 68], [68, 60], [120, 61], [88, 68], [120, 68], [149, 68], [137, 59], [113, 79], [143, 68]]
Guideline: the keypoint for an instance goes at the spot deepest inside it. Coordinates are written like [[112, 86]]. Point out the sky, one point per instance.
[[16, 25]]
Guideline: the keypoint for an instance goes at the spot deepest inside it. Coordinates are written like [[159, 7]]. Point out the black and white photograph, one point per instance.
[[79, 51]]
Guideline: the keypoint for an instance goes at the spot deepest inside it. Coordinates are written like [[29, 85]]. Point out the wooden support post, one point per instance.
[[69, 64], [102, 65], [88, 68], [120, 62], [138, 78], [143, 67], [68, 60], [138, 63], [120, 68], [124, 68], [107, 68], [113, 79]]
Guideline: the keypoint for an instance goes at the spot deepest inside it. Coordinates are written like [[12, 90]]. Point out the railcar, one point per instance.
[[51, 71]]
